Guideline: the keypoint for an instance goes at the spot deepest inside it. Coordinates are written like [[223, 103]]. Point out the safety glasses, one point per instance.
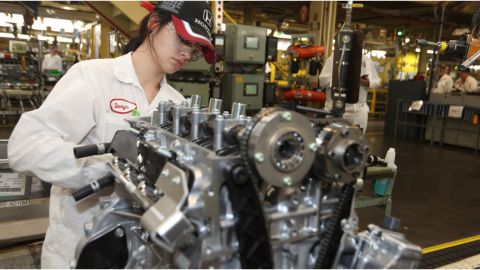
[[181, 44]]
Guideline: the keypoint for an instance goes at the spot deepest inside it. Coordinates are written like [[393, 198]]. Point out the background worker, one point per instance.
[[445, 82], [357, 113], [466, 83]]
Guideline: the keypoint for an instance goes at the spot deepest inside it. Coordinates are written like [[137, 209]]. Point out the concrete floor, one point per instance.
[[436, 194]]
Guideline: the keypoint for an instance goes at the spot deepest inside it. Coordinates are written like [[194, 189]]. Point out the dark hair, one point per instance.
[[144, 32]]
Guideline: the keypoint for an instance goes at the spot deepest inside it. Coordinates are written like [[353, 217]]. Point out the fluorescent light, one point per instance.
[[379, 53], [45, 38], [22, 36], [59, 24], [7, 35], [65, 40], [283, 44], [417, 50], [38, 25], [407, 40], [5, 24], [430, 51], [282, 35]]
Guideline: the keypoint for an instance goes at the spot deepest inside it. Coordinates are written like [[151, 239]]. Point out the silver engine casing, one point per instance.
[[195, 188]]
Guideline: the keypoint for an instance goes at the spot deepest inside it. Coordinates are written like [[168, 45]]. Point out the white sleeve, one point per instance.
[[43, 140], [372, 74], [325, 76], [458, 84], [441, 86], [44, 62], [59, 63], [448, 85], [471, 85]]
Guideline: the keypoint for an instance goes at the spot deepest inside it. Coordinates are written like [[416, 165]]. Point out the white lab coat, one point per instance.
[[88, 105], [52, 62], [444, 85], [469, 86], [357, 113]]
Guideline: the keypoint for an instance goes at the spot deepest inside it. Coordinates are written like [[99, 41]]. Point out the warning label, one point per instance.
[[12, 184]]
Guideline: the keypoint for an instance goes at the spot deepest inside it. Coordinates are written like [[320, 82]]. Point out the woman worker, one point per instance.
[[89, 104]]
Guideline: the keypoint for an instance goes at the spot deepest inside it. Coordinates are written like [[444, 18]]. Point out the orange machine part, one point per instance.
[[473, 46], [308, 52], [304, 95]]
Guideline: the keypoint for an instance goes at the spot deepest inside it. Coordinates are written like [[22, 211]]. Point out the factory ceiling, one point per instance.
[[416, 18]]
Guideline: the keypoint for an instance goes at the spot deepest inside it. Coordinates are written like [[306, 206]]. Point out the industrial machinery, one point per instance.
[[198, 188], [467, 47], [305, 59], [245, 57]]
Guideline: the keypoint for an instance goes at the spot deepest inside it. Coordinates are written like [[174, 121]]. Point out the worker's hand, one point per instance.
[[364, 81]]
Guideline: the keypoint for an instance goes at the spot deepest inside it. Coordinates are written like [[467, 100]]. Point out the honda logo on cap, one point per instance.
[[207, 17]]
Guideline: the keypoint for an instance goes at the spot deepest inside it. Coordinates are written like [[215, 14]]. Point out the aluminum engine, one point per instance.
[[197, 188]]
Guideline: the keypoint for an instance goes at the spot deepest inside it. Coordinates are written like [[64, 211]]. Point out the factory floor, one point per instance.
[[436, 195]]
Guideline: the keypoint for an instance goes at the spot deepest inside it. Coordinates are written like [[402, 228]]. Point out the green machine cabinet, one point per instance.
[[200, 65], [243, 88], [245, 44], [191, 83]]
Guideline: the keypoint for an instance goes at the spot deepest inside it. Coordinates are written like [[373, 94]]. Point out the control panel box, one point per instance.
[[243, 88], [245, 44]]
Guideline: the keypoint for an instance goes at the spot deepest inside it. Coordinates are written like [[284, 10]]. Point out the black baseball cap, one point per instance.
[[193, 21]]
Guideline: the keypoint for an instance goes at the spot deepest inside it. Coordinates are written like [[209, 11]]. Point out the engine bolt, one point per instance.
[[313, 147], [287, 181], [119, 232], [259, 157], [287, 116]]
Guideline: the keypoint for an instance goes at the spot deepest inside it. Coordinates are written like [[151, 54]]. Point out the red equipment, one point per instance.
[[304, 95], [306, 52]]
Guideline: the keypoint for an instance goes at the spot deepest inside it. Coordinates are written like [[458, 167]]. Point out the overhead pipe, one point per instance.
[[433, 67]]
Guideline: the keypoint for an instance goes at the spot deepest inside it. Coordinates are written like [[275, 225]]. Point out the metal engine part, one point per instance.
[[198, 188]]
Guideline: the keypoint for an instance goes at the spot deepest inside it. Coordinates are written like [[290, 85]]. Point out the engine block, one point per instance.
[[198, 188]]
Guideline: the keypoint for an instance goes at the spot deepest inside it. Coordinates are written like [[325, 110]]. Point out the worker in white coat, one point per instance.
[[466, 82], [445, 82], [357, 113], [52, 61], [89, 104]]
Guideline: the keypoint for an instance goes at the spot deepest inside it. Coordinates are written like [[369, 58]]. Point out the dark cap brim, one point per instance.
[[185, 30]]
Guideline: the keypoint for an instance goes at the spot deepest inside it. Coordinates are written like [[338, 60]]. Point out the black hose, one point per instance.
[[93, 187], [91, 150]]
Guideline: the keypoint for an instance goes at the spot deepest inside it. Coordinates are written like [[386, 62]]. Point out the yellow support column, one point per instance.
[[105, 29]]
